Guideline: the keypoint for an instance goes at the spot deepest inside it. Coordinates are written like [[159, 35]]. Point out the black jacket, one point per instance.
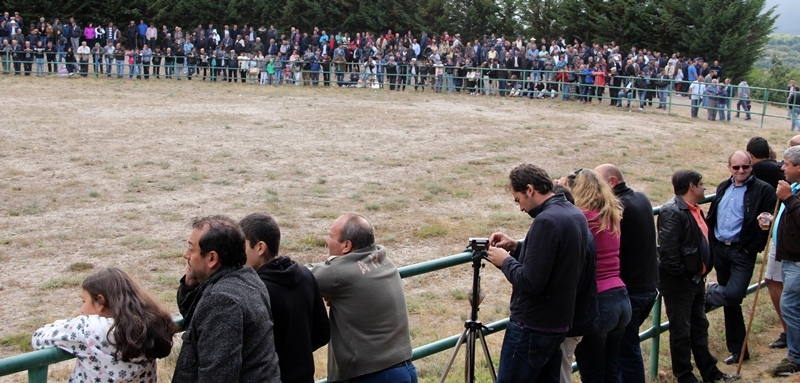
[[638, 255], [759, 198], [683, 248], [301, 322], [788, 241], [545, 269], [769, 171], [228, 330]]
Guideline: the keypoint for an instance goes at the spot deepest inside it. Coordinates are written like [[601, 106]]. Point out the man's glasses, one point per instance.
[[737, 167]]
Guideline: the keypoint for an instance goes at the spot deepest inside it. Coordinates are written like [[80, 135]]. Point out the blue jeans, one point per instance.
[[795, 118], [40, 67], [625, 95], [743, 104], [406, 373], [448, 82], [790, 307], [529, 356], [641, 94], [725, 114], [631, 366], [597, 353], [662, 97], [695, 107]]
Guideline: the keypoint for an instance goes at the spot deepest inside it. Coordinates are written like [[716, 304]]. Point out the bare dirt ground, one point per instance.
[[97, 173]]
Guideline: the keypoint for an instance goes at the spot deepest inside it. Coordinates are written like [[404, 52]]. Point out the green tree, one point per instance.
[[731, 31], [471, 18]]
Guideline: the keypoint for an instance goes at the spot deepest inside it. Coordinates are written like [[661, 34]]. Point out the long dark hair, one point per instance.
[[141, 327]]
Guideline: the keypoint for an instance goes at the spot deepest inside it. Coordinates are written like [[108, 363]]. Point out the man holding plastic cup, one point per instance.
[[736, 239]]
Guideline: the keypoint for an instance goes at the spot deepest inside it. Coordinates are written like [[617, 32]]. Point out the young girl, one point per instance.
[[121, 334]]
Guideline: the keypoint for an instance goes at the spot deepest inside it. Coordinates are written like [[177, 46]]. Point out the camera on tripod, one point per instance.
[[473, 328], [479, 244]]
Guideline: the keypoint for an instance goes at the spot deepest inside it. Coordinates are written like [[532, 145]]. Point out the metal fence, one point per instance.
[[561, 85], [37, 362]]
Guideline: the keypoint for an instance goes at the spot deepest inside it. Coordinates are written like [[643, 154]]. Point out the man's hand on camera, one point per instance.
[[497, 255], [502, 241]]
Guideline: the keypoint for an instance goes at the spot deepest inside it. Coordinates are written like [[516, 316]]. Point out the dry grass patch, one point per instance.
[[429, 172]]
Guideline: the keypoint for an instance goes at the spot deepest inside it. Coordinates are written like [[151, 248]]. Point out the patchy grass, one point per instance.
[[426, 185], [429, 231], [80, 266], [61, 282], [20, 341], [138, 242]]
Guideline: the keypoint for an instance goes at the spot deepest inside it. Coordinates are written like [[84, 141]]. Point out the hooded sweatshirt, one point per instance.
[[301, 322]]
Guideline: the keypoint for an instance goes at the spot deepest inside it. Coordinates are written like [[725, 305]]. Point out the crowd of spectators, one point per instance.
[[491, 65]]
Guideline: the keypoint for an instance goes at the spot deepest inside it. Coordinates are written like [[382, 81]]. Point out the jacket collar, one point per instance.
[[556, 198], [622, 189]]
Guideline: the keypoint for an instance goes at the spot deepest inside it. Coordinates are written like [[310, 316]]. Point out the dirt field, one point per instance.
[[97, 173]]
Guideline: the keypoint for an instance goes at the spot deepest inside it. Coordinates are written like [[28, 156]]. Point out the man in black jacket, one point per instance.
[[788, 252], [544, 272], [301, 322], [685, 261], [638, 268], [769, 171], [736, 238]]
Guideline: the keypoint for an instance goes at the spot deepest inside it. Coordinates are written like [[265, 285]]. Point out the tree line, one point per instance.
[[731, 31]]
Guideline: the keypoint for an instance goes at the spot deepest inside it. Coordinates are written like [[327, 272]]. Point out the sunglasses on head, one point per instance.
[[737, 167]]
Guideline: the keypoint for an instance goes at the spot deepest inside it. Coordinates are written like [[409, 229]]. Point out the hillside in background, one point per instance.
[[786, 47]]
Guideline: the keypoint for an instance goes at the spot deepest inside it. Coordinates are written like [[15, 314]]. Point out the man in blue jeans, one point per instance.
[[370, 339], [544, 271], [788, 252], [638, 268]]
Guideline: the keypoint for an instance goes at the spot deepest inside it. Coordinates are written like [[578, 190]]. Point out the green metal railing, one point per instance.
[[37, 362], [486, 82]]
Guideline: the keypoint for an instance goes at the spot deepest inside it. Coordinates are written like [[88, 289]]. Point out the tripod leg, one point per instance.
[[461, 340], [469, 365], [488, 356]]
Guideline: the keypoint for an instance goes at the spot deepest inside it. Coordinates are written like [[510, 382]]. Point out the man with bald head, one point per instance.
[[795, 141], [370, 339], [638, 268], [736, 238]]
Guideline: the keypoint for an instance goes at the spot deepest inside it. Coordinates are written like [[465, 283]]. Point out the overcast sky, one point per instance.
[[788, 16]]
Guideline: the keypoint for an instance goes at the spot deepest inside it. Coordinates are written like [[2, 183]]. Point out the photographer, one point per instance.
[[544, 271]]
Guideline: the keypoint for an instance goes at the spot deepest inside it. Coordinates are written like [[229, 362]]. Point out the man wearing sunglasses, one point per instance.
[[736, 238]]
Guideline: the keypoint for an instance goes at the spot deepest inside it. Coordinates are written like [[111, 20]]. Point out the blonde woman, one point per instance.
[[596, 354]]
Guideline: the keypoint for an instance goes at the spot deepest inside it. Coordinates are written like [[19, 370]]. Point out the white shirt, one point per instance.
[[697, 89], [85, 337]]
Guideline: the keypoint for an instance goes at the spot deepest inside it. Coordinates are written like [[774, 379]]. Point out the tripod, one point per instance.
[[472, 328]]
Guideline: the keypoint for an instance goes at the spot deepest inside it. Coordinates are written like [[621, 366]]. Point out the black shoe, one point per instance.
[[724, 378], [780, 342], [734, 358], [785, 368]]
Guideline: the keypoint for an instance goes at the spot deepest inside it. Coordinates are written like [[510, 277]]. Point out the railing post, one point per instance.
[[656, 339], [38, 374], [671, 90], [764, 109]]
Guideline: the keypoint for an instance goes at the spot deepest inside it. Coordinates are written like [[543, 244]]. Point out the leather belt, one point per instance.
[[401, 364], [730, 243]]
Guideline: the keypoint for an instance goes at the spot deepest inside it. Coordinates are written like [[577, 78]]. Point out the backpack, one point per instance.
[[76, 32]]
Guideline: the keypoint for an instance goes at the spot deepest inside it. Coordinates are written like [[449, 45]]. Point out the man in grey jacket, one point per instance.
[[369, 320], [227, 320], [743, 91]]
